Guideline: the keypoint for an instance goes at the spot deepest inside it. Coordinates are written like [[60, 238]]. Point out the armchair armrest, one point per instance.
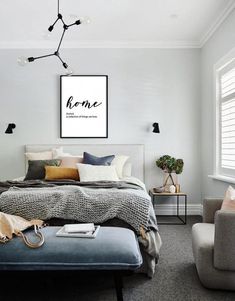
[[224, 244], [210, 206]]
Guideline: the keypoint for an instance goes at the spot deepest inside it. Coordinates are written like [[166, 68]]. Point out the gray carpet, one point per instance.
[[176, 279]]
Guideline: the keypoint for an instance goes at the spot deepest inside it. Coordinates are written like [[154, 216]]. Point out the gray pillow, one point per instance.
[[93, 160], [36, 169]]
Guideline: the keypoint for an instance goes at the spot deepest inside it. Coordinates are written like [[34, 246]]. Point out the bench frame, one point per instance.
[[116, 274]]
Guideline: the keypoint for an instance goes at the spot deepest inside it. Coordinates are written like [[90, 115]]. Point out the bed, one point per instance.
[[124, 203]]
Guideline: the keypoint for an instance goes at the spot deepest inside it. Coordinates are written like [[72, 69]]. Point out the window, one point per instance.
[[225, 119]]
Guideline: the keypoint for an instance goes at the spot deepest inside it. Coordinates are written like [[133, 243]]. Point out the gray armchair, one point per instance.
[[214, 246]]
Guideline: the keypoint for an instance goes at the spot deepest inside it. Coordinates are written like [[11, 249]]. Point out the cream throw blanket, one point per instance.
[[13, 224]]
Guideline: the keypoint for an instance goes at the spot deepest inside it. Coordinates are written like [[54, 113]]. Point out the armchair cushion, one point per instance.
[[203, 251], [224, 249], [203, 243]]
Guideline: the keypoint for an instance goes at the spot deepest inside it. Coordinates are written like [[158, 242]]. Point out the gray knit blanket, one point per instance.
[[77, 203]]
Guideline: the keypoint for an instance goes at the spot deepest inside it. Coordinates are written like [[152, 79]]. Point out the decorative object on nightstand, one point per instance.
[[172, 167], [172, 189], [159, 189]]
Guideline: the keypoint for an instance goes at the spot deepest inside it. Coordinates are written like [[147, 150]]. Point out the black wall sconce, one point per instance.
[[156, 127], [10, 128]]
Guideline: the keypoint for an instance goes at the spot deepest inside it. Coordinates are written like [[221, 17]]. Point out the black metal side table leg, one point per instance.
[[185, 209], [118, 285], [177, 206], [183, 219]]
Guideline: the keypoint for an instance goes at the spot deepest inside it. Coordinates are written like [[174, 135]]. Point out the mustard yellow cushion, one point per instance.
[[55, 172]]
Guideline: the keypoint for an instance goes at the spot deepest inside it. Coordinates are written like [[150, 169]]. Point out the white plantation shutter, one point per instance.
[[226, 90], [228, 83]]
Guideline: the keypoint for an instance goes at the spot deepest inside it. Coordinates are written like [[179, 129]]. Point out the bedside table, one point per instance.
[[178, 196]]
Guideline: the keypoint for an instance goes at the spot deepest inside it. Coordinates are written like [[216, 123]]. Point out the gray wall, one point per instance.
[[145, 86], [219, 45]]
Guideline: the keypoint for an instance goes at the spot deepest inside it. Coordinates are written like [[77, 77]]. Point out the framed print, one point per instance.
[[84, 106]]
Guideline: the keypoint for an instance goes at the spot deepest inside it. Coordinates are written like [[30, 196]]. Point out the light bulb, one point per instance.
[[73, 16], [46, 35], [85, 20], [22, 61], [69, 71]]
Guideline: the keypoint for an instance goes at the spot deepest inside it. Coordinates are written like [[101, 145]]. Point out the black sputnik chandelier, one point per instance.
[[22, 61]]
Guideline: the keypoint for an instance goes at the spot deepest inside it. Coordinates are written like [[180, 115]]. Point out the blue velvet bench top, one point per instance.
[[113, 249]]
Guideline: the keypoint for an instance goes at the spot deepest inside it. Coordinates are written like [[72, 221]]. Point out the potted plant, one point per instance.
[[170, 165]]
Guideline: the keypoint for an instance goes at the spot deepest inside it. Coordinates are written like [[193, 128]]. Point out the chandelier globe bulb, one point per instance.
[[69, 71], [22, 61], [85, 20]]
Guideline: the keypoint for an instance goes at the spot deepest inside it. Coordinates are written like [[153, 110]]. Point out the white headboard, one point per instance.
[[134, 151]]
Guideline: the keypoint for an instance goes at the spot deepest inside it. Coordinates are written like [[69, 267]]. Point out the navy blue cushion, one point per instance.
[[93, 160], [113, 249]]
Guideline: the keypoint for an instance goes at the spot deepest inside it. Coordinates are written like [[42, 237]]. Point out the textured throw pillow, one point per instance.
[[89, 173], [47, 155], [119, 161], [229, 200], [55, 172], [93, 160], [70, 161], [36, 169]]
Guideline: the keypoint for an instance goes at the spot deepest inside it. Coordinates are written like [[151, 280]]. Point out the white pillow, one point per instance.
[[39, 156], [89, 172], [58, 152], [119, 161], [127, 169]]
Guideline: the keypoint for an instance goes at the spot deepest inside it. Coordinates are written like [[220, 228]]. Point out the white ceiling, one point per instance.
[[149, 23]]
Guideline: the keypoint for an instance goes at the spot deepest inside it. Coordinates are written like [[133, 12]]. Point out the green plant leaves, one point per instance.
[[170, 164]]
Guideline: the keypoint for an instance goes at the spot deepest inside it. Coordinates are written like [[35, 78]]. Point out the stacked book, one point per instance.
[[88, 230]]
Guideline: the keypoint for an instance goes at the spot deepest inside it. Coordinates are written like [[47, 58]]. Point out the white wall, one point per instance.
[[219, 45], [145, 86]]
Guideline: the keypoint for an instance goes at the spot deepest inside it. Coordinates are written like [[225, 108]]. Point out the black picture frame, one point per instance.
[[82, 120]]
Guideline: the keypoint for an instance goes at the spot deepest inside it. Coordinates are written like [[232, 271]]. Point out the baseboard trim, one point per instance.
[[169, 209]]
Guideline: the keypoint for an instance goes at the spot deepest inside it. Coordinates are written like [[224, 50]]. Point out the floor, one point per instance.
[[175, 279]]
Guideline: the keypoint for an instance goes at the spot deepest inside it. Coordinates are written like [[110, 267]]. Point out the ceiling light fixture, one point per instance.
[[22, 61]]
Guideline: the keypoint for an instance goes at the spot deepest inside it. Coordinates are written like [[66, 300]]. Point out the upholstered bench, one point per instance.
[[114, 249]]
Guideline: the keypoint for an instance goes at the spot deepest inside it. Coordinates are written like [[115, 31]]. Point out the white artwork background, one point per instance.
[[87, 122]]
